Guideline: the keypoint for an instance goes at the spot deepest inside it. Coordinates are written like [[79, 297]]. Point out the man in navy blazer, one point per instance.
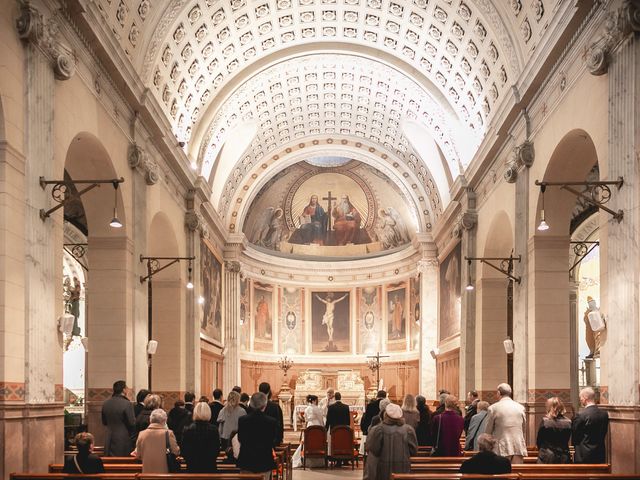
[[590, 428], [338, 413], [256, 433]]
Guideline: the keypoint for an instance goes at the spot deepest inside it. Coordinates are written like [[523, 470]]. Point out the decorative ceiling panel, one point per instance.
[[461, 46]]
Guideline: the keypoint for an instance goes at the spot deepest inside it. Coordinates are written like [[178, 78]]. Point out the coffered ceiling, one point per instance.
[[305, 68]]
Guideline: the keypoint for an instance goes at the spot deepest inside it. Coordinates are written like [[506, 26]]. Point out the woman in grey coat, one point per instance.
[[476, 426], [392, 443], [228, 418]]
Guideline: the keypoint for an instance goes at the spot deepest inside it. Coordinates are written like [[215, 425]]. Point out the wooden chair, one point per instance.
[[342, 445], [315, 444]]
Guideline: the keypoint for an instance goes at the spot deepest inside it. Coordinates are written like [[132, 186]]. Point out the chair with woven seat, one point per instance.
[[342, 445], [314, 444]]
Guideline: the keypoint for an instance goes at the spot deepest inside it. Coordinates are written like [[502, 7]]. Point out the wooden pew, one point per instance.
[[64, 476], [431, 460], [140, 476], [515, 476], [452, 476], [134, 468], [199, 476], [427, 468]]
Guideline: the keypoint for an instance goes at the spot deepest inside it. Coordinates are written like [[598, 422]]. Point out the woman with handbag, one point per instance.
[[447, 428], [156, 446]]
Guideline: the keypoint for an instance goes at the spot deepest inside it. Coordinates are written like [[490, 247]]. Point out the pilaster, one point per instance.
[[428, 271], [231, 289]]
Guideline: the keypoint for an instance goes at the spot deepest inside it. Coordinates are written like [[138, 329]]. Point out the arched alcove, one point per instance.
[[167, 325], [494, 309]]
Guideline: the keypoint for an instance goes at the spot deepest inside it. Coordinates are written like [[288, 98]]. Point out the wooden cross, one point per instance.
[[375, 365], [329, 199]]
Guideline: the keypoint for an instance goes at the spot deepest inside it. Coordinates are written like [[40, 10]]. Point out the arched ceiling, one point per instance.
[[213, 64]]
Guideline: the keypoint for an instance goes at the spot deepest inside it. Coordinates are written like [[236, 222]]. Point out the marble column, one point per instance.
[[231, 288], [617, 53], [468, 230], [36, 418], [428, 271]]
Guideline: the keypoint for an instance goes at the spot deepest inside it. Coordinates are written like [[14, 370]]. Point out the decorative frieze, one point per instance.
[[141, 161], [43, 33], [619, 24]]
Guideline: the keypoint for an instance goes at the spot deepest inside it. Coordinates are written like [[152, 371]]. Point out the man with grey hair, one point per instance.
[[506, 422], [589, 429], [257, 434], [486, 461]]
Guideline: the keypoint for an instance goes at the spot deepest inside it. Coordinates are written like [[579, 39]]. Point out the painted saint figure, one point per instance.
[[346, 221], [397, 316], [313, 222], [594, 325], [327, 318], [263, 319]]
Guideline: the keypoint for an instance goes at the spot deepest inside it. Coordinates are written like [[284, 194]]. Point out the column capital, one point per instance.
[[232, 266], [194, 221], [140, 160], [427, 264], [35, 29], [619, 24]]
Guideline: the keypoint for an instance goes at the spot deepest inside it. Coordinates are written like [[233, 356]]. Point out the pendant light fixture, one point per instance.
[[469, 286], [115, 222], [543, 224], [190, 281]]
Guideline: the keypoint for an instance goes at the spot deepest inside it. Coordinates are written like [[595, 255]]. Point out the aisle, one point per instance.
[[320, 474]]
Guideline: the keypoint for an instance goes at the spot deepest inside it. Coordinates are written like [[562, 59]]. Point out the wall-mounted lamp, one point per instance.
[[61, 194], [543, 224], [190, 278], [594, 193], [469, 286], [505, 267], [65, 323], [508, 346], [115, 222], [152, 347]]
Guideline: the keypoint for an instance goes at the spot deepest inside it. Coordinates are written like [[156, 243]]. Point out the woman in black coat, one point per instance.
[[85, 461], [151, 402], [554, 434], [423, 430], [201, 442]]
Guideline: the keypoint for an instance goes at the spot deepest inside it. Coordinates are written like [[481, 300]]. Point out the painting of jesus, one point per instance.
[[330, 321]]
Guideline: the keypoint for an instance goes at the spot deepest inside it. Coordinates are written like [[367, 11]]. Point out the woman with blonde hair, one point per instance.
[[201, 442], [554, 434], [410, 411], [151, 403], [228, 418]]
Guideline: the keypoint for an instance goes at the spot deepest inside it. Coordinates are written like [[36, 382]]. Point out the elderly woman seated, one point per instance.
[[486, 461], [151, 447], [84, 461]]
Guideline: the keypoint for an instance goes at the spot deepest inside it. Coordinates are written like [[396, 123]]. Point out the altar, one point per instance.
[[317, 381]]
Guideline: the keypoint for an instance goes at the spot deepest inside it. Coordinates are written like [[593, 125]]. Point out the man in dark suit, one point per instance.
[[486, 461], [189, 398], [590, 428], [117, 416], [274, 411], [338, 413], [471, 409], [373, 409], [216, 405], [256, 432]]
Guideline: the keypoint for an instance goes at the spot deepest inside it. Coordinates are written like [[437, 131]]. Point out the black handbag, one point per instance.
[[173, 465]]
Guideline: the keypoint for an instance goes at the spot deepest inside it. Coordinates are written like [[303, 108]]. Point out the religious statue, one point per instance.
[[313, 223], [327, 318], [263, 319], [594, 326], [74, 302], [346, 221]]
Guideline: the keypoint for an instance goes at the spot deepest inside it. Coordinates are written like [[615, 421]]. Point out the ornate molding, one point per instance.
[[619, 24], [466, 221], [232, 266], [427, 264], [525, 153], [141, 161], [195, 223], [33, 28], [511, 172]]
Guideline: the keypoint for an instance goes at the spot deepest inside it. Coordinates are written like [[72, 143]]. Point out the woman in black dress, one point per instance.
[[554, 434]]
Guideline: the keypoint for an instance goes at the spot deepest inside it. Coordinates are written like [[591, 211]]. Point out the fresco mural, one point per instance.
[[262, 317], [450, 293], [291, 325], [330, 206], [211, 281], [369, 312], [330, 330], [414, 313], [245, 310], [397, 316]]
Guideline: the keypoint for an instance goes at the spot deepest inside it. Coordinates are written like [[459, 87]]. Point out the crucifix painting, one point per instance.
[[330, 321]]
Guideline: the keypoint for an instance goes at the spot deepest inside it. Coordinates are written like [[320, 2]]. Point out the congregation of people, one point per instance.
[[247, 429]]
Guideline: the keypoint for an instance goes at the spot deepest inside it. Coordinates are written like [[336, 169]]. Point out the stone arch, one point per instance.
[[551, 341], [493, 309], [168, 326]]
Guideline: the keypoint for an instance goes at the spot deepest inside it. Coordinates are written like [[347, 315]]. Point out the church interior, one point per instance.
[[407, 195]]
